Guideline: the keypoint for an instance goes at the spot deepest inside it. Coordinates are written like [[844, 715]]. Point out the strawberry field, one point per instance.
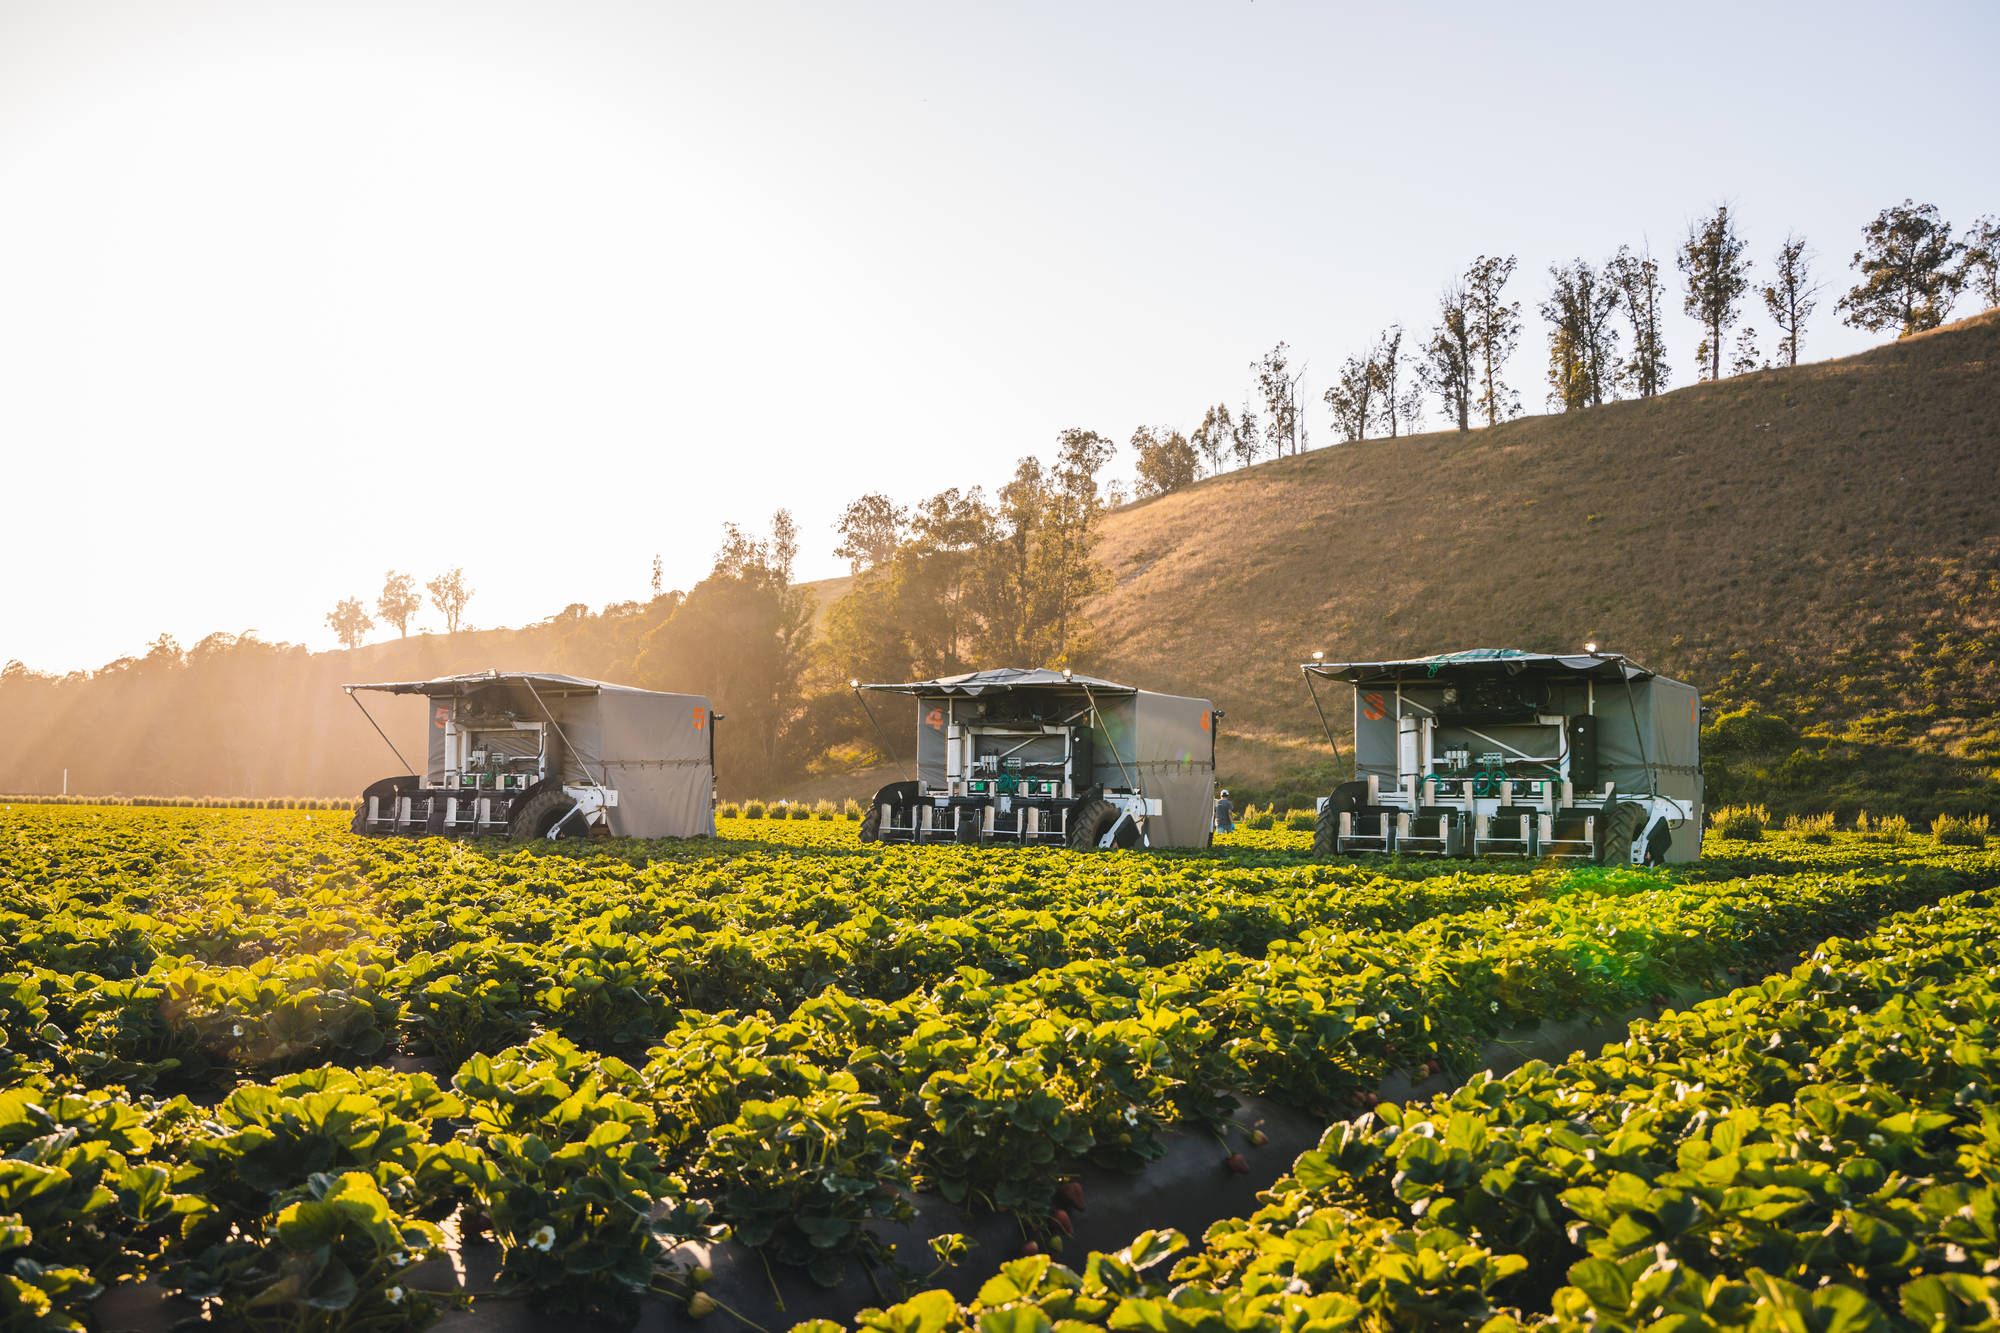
[[258, 1069]]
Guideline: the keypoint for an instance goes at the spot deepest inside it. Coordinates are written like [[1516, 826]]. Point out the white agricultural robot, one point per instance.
[[1498, 752], [523, 754], [1050, 758]]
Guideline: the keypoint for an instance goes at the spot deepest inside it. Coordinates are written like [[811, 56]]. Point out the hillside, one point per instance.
[[1821, 540], [1821, 543]]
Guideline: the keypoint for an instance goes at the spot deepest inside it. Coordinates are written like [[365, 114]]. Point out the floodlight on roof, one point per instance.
[[1590, 648], [1319, 657]]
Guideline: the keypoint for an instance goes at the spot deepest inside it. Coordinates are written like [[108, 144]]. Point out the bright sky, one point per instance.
[[291, 294]]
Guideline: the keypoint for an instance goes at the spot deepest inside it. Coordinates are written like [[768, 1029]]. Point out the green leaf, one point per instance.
[[1150, 1247], [1605, 1283], [1015, 1319]]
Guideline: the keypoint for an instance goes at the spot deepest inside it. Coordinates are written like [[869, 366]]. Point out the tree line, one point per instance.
[[1603, 325]]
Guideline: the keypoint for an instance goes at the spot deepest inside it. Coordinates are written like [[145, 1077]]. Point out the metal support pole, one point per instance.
[[1324, 725], [383, 734], [887, 752]]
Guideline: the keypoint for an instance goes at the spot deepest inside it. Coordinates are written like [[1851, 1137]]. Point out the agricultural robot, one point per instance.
[[1050, 758], [537, 755], [1497, 752]]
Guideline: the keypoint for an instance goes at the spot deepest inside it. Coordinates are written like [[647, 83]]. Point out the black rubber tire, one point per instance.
[[1087, 823], [541, 810], [896, 793], [1347, 797], [1621, 825]]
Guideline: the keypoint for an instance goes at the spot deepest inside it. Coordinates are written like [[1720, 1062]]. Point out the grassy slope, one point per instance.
[[1764, 537], [1820, 540]]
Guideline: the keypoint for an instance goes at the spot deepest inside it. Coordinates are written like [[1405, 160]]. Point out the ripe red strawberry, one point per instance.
[[1072, 1193], [1029, 1247], [1236, 1163], [1061, 1218]]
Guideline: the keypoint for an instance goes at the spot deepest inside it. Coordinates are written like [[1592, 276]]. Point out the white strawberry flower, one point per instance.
[[544, 1239], [395, 1295]]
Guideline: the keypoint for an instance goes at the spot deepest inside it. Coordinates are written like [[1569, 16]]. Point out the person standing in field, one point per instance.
[[1225, 813]]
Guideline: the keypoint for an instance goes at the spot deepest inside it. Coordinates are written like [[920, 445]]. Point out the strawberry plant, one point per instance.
[[336, 1255], [565, 1162], [804, 1176]]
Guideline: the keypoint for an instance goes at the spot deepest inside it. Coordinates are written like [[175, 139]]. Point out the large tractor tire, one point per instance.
[[1346, 798], [1089, 822], [896, 793], [1621, 825], [540, 812]]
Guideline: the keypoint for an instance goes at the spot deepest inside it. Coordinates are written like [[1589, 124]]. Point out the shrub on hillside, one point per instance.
[[1961, 830], [1811, 828], [1745, 731], [1743, 822]]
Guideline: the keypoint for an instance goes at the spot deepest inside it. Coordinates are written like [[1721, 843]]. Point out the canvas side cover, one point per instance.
[[1675, 749], [653, 749], [437, 713], [933, 743], [1375, 733], [1173, 755], [1648, 739]]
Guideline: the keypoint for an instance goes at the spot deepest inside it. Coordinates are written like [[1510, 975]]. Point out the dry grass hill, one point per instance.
[[1822, 540]]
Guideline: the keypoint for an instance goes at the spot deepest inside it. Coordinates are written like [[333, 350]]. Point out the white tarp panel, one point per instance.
[[1176, 765], [1675, 751], [655, 753]]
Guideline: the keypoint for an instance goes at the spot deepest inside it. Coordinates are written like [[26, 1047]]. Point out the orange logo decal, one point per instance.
[[700, 718], [1375, 710], [935, 719], [440, 716], [1204, 720]]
